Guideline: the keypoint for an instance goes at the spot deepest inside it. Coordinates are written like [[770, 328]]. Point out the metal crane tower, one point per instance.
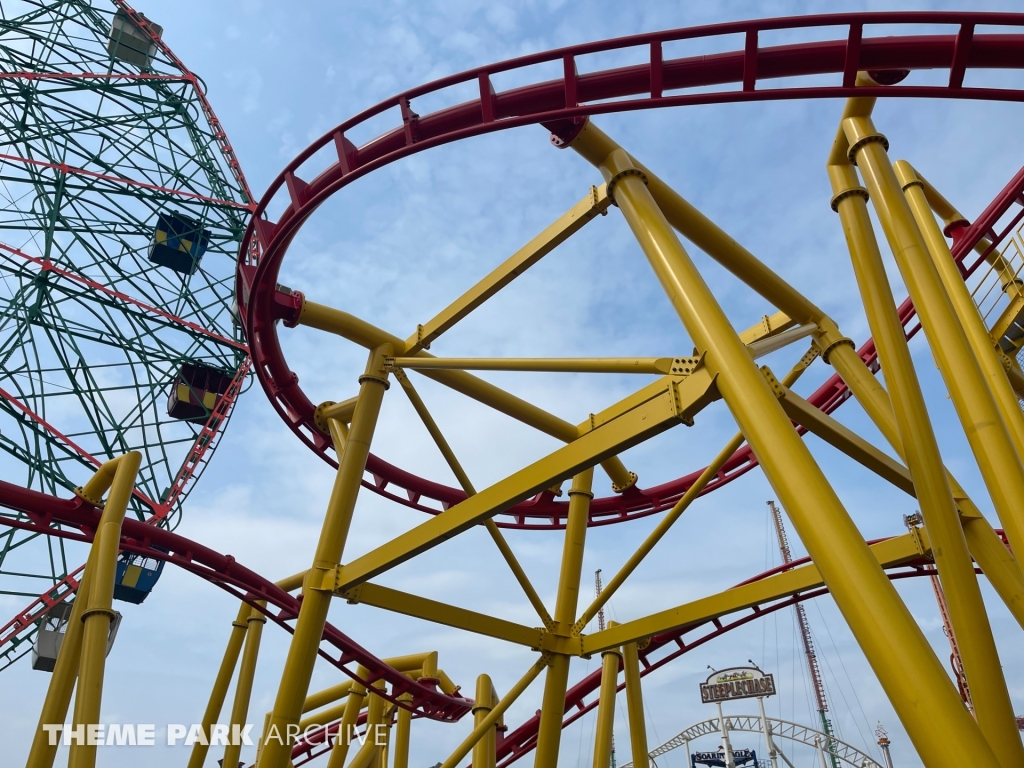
[[805, 636]]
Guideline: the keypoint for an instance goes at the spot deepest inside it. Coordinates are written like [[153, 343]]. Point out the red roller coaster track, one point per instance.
[[573, 96], [644, 86], [79, 520]]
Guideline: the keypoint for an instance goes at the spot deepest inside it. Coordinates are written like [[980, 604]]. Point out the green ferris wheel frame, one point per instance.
[[121, 208]]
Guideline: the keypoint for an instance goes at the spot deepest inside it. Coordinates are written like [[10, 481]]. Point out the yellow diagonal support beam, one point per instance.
[[442, 613], [571, 222], [453, 463], [678, 402], [891, 552], [839, 436], [360, 332], [649, 365]]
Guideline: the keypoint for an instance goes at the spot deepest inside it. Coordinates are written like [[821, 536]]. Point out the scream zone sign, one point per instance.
[[736, 683]]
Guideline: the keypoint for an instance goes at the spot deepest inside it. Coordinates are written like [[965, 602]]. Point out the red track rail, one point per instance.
[[573, 97], [205, 441], [662, 649], [78, 521]]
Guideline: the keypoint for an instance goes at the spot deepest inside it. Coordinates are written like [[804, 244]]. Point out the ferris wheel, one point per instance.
[[121, 209]]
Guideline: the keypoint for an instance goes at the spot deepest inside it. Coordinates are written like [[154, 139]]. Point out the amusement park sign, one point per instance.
[[736, 683]]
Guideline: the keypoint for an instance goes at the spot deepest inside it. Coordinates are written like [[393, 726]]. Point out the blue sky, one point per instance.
[[398, 245]]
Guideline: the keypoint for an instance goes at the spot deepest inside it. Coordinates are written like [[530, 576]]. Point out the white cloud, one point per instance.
[[396, 246]]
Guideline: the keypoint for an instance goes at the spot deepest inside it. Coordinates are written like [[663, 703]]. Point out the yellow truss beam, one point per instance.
[[649, 365], [838, 436], [442, 613], [678, 400], [889, 553], [360, 332], [566, 226]]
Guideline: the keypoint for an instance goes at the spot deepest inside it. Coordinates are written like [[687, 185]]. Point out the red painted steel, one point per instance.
[[204, 441], [46, 265], [218, 130], [571, 98], [72, 170], [78, 520], [663, 648]]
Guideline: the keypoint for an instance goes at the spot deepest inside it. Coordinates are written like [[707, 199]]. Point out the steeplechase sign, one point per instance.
[[736, 683]]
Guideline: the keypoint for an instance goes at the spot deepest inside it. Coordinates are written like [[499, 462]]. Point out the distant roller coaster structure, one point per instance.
[[966, 296]]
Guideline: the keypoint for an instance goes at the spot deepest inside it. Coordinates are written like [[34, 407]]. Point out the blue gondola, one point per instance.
[[178, 243], [136, 576]]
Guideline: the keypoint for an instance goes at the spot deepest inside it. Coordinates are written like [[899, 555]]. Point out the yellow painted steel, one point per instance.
[[769, 327], [356, 696], [658, 533], [243, 688], [988, 550], [604, 729], [675, 403], [930, 710], [98, 611], [635, 706], [484, 751], [997, 563], [888, 553], [221, 683], [921, 451], [675, 513], [62, 680], [441, 613], [449, 456], [963, 305], [309, 625], [950, 215], [987, 435], [839, 436], [594, 204], [487, 723], [368, 753], [552, 707], [327, 696], [402, 734], [360, 332], [722, 367], [648, 365], [776, 342]]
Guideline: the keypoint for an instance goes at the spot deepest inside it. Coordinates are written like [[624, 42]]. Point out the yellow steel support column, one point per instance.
[[488, 723], [62, 680], [243, 689], [348, 722], [942, 731], [985, 546], [553, 702], [368, 752], [987, 434], [221, 683], [484, 754], [921, 452], [966, 310], [456, 467], [316, 600], [605, 729], [402, 735], [635, 706], [98, 611], [385, 748]]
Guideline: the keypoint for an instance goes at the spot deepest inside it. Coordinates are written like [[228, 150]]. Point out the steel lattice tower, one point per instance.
[[107, 138]]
